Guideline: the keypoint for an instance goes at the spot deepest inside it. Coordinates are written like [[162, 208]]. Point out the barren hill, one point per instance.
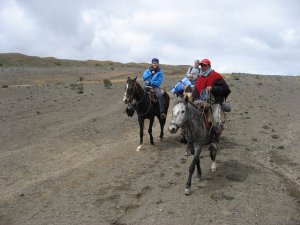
[[68, 157]]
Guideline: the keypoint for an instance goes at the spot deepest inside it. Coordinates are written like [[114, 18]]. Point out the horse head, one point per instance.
[[129, 90], [179, 114]]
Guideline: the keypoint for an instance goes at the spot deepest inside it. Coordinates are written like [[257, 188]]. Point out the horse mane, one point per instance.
[[193, 104], [140, 86]]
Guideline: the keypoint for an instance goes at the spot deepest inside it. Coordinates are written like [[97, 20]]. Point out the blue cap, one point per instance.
[[155, 61]]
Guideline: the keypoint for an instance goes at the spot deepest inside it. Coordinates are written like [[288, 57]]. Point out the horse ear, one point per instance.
[[135, 78], [186, 99]]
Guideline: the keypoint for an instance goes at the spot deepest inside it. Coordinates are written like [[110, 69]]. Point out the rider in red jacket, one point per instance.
[[214, 83], [211, 81]]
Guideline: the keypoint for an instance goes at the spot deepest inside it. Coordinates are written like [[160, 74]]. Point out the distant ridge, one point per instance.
[[18, 59]]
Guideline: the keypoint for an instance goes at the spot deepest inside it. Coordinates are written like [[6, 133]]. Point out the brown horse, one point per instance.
[[140, 100]]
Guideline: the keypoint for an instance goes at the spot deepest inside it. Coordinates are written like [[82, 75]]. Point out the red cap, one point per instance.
[[205, 62]]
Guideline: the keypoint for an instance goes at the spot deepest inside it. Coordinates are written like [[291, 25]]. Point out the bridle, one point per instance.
[[190, 117], [131, 98], [132, 94]]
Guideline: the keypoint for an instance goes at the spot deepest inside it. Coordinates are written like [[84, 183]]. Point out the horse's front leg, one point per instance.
[[195, 161], [150, 130], [213, 153], [199, 171], [141, 123]]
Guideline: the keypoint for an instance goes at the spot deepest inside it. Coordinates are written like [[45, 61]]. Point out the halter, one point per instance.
[[131, 97], [190, 117]]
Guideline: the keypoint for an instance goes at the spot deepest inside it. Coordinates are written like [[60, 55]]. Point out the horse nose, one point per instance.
[[172, 129], [125, 99]]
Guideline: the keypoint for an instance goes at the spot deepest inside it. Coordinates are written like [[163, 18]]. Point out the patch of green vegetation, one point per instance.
[[77, 87], [107, 83]]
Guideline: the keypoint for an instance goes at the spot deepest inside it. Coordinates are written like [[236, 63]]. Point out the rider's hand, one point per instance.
[[208, 88]]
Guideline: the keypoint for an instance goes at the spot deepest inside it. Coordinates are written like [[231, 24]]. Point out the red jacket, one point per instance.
[[219, 86], [203, 82]]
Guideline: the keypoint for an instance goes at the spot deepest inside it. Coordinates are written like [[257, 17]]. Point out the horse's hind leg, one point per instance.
[[141, 123], [162, 125], [150, 130]]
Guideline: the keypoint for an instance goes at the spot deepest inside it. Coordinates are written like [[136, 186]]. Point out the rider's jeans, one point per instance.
[[160, 100]]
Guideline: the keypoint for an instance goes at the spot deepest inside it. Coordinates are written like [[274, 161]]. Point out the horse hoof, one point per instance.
[[139, 148], [188, 191], [152, 143]]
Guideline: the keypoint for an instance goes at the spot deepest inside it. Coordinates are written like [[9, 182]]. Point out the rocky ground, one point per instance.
[[67, 153]]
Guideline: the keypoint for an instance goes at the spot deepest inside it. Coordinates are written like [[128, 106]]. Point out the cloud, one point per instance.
[[237, 36]]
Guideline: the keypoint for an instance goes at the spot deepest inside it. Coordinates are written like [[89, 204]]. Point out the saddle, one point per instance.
[[152, 93], [208, 117]]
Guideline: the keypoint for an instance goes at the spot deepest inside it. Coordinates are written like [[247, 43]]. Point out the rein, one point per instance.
[[147, 110], [197, 107], [131, 96]]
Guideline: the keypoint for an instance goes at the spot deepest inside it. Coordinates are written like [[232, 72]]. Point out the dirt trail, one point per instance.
[[69, 158]]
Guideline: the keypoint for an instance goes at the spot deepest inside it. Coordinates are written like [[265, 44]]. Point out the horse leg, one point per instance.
[[141, 123], [188, 189], [150, 130], [162, 125], [213, 153], [214, 148], [199, 171]]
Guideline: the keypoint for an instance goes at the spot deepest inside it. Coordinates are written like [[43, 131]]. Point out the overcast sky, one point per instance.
[[258, 36]]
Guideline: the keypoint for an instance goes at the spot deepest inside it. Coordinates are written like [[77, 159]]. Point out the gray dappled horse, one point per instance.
[[187, 115], [140, 100]]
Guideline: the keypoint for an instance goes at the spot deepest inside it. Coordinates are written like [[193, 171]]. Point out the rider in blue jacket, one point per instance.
[[153, 76]]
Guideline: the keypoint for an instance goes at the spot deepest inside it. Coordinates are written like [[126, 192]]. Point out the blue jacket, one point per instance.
[[153, 80]]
